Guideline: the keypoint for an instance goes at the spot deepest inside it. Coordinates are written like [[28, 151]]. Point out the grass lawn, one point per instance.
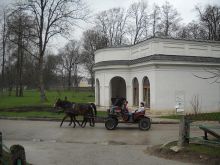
[[32, 98], [215, 116], [30, 105], [32, 114], [203, 149], [198, 148], [41, 114]]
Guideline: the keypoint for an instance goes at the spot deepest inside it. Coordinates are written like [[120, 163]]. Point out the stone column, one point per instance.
[[129, 95], [140, 91], [106, 96]]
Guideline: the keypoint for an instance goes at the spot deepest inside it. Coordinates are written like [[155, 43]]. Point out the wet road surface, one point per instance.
[[46, 143]]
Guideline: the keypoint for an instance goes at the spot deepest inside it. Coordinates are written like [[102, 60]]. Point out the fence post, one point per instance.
[[18, 155], [187, 129], [184, 130], [1, 155]]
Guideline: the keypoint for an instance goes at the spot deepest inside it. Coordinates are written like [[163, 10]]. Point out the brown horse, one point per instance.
[[71, 109]]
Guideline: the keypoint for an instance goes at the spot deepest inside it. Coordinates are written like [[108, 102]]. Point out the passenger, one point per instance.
[[140, 109], [125, 107]]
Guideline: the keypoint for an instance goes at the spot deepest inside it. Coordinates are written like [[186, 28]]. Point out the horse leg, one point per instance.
[[83, 122], [71, 120], [92, 122], [77, 121], [74, 119], [63, 120]]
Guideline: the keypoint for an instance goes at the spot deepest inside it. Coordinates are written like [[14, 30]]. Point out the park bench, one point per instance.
[[212, 130]]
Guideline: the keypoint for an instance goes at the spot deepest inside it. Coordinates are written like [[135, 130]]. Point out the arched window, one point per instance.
[[135, 92], [117, 88], [146, 92]]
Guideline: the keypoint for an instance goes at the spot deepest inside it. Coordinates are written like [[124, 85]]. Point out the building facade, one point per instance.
[[164, 73]]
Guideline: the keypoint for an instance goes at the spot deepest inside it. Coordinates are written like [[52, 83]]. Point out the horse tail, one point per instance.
[[94, 108]]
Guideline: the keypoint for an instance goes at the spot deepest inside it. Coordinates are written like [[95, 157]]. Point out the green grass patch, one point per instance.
[[215, 116], [191, 153], [32, 114], [196, 148], [39, 114], [203, 149], [32, 98]]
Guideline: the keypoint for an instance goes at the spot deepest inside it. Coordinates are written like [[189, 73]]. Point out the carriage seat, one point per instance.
[[115, 109]]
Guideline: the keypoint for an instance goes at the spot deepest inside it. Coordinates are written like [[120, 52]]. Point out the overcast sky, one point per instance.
[[184, 7]]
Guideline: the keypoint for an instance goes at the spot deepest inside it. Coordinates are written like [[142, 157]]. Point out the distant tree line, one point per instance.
[[28, 27]]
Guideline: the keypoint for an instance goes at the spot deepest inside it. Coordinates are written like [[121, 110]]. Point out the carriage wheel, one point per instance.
[[110, 124], [144, 124]]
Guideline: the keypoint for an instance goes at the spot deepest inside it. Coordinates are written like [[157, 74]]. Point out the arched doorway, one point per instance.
[[117, 88], [135, 92], [97, 92], [146, 91]]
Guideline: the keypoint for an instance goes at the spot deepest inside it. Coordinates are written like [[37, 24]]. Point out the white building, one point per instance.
[[161, 72]]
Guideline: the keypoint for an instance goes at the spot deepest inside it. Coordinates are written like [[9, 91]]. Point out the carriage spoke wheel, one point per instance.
[[144, 124], [110, 123]]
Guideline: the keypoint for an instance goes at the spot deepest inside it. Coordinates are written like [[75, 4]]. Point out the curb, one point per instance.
[[99, 120]]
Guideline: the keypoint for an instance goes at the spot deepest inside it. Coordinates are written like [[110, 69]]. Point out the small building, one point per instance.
[[162, 72], [84, 82]]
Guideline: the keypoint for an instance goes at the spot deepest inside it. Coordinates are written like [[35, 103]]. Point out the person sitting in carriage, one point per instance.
[[125, 107], [140, 109]]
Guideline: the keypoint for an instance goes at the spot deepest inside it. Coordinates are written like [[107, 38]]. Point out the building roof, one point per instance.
[[161, 57], [163, 38]]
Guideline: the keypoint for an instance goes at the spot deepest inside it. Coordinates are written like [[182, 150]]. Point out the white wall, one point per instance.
[[170, 81], [165, 83], [112, 54]]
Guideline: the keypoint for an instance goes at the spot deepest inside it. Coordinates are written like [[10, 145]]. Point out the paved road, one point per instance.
[[46, 143]]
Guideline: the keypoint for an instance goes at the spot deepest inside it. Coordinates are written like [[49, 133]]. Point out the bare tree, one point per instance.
[[169, 19], [70, 59], [53, 17], [193, 30], [196, 104], [4, 42], [154, 19], [92, 41], [210, 16], [50, 68], [112, 25], [20, 26], [138, 21]]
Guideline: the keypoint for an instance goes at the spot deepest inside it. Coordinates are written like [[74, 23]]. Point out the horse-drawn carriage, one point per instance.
[[119, 114]]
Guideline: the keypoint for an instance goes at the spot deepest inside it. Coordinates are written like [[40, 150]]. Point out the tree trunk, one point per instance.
[[41, 80], [75, 76], [69, 79], [3, 53], [19, 89], [17, 71], [21, 75], [92, 79]]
